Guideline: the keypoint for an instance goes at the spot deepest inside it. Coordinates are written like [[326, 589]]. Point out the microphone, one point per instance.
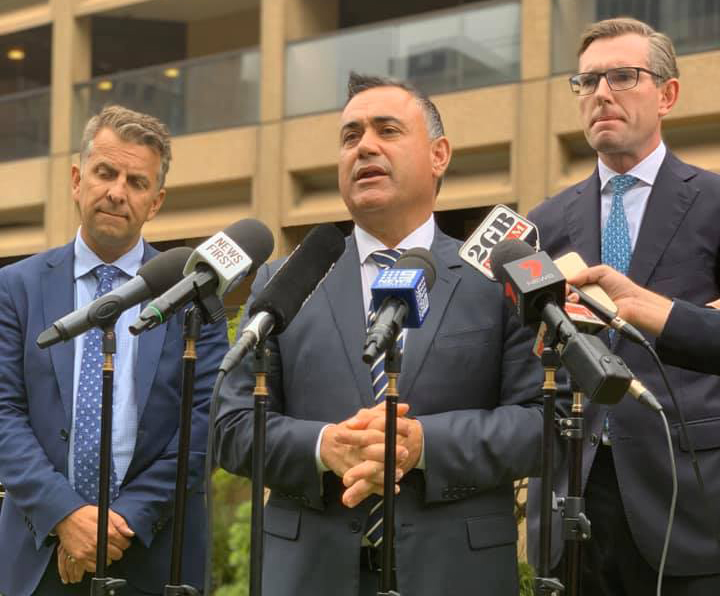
[[153, 278], [596, 299], [213, 267], [288, 289], [400, 299], [535, 285]]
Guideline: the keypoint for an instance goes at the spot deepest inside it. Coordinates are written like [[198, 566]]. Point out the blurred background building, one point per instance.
[[252, 89]]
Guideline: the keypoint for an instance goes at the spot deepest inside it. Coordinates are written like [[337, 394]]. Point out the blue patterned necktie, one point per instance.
[[88, 407], [616, 247], [384, 259]]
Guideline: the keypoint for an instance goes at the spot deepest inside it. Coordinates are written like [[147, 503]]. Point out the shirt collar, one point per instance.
[[86, 260], [421, 237], [646, 170]]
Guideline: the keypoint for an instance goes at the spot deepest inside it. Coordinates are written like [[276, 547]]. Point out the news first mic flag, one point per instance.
[[501, 223]]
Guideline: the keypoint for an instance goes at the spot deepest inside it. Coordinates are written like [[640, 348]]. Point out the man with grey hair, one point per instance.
[[653, 218], [50, 399], [468, 422]]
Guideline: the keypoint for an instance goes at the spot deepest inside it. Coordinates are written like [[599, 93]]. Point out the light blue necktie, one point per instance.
[[616, 246], [88, 407], [384, 259]]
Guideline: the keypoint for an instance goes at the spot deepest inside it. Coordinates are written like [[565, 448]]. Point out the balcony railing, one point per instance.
[[198, 95], [25, 124], [693, 26], [475, 46]]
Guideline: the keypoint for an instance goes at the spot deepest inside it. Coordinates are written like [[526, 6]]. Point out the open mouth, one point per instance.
[[369, 173]]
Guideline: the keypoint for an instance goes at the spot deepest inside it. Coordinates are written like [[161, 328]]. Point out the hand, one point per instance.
[[636, 305], [78, 536], [368, 477], [68, 567], [352, 448]]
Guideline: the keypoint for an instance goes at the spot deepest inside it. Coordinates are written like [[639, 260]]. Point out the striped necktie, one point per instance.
[[384, 259], [88, 405]]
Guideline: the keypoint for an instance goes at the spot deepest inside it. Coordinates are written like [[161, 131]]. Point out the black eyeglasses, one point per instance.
[[618, 79]]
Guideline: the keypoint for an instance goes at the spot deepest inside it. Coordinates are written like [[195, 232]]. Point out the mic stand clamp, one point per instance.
[[101, 585], [393, 365]]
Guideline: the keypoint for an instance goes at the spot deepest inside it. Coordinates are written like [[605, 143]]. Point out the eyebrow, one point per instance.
[[133, 175], [375, 121]]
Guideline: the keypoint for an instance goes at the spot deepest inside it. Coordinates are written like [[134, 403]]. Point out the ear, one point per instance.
[[669, 92], [75, 176], [440, 153], [157, 202]]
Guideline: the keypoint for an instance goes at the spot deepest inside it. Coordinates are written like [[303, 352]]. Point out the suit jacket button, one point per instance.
[[64, 435], [594, 439], [355, 526]]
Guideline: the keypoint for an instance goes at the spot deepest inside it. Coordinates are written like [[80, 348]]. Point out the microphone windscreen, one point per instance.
[[293, 283], [164, 270], [255, 238], [507, 251], [418, 258]]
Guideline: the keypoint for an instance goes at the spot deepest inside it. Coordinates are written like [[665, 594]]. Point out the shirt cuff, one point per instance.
[[321, 467]]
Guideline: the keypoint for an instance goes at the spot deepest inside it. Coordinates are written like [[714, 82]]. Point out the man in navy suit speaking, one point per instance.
[[49, 399]]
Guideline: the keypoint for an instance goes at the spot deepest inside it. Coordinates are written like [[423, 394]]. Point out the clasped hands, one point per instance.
[[355, 451], [78, 541]]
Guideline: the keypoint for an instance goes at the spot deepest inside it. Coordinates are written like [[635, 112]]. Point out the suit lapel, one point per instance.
[[343, 289], [669, 200], [583, 220], [150, 346], [419, 340], [58, 299]]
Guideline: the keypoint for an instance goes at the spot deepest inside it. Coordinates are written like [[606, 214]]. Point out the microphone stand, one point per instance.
[[260, 393], [576, 526], [101, 584], [191, 333], [393, 365], [545, 585]]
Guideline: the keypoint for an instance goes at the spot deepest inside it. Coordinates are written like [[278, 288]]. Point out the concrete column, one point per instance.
[[531, 142], [71, 53]]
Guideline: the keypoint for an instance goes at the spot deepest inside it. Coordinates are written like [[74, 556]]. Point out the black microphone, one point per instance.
[[400, 300], [152, 279], [288, 289], [535, 285], [213, 267]]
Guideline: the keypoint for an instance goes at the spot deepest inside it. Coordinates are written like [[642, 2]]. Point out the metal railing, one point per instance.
[[474, 46], [25, 124], [197, 95]]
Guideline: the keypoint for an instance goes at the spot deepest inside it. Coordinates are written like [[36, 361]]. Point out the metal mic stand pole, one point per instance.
[[102, 585], [393, 364], [544, 584], [260, 368], [192, 324], [576, 526]]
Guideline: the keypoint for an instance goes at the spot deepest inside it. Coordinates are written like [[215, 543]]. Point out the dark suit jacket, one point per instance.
[[469, 377], [35, 417], [691, 338], [678, 255]]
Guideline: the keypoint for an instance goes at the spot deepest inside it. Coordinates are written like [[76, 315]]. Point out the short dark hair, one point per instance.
[[357, 83]]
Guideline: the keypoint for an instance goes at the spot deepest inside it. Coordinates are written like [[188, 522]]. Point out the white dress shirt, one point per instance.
[[636, 198]]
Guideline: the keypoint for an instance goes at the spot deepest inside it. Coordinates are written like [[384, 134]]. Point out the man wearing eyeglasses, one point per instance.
[[655, 219]]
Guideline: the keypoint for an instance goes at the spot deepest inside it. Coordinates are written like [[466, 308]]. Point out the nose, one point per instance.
[[117, 192], [368, 144], [603, 92]]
